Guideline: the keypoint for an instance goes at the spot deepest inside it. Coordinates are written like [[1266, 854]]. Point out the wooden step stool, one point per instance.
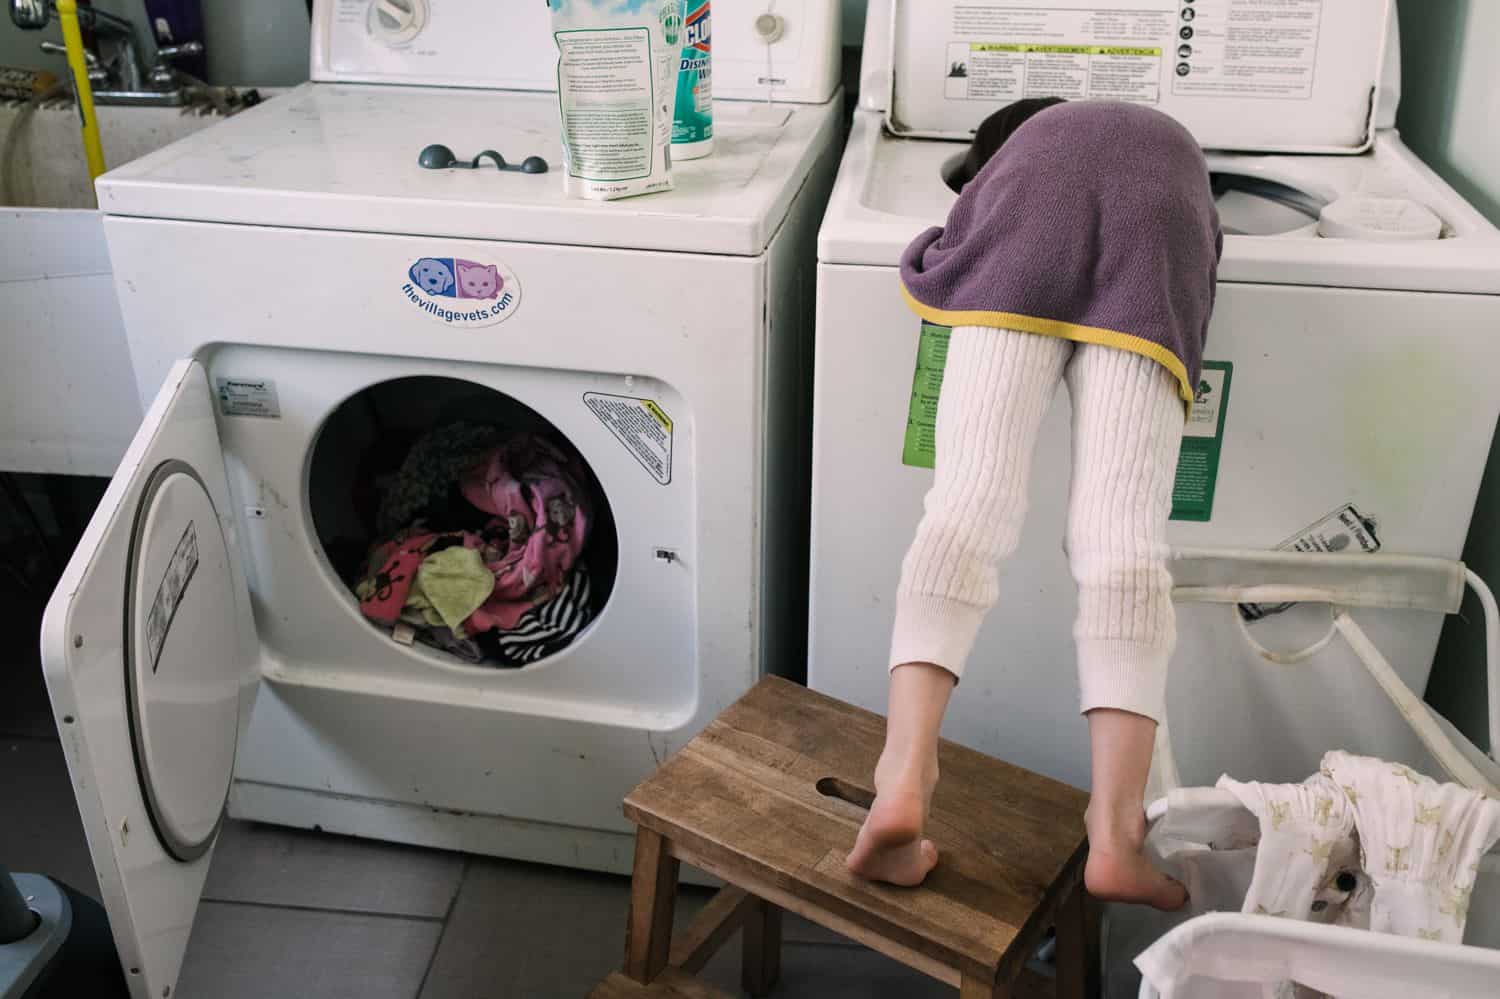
[[769, 798]]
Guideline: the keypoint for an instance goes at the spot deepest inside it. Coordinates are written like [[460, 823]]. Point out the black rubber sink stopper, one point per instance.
[[439, 157]]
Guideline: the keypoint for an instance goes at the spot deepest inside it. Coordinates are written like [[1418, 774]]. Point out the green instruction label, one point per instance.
[[1202, 440], [920, 450]]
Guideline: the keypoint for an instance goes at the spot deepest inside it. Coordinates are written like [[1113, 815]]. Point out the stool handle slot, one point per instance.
[[833, 787]]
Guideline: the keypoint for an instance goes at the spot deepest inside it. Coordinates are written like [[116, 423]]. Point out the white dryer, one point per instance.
[[202, 647], [1348, 403]]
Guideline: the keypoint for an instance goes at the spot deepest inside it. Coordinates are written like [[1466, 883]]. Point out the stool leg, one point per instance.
[[762, 965], [653, 897], [1078, 946], [979, 988]]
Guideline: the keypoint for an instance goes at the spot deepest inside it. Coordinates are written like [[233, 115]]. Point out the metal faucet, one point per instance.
[[115, 72], [98, 75], [163, 76]]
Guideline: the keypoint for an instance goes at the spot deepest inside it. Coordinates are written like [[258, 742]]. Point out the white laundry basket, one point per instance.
[[1246, 954]]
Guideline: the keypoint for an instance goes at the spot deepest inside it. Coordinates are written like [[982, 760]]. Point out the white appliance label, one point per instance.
[[1263, 75], [642, 426], [461, 293], [1007, 53], [1343, 531], [174, 583], [1247, 48], [248, 397]]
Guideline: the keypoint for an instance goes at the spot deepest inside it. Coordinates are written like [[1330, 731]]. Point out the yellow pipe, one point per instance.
[[93, 149]]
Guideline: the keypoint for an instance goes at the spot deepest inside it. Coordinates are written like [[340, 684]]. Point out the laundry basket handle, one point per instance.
[[1413, 709], [1491, 654], [1233, 576]]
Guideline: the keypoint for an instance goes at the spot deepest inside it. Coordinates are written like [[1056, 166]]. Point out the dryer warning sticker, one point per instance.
[[642, 426]]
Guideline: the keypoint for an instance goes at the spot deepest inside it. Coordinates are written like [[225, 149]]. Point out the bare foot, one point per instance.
[[890, 846], [1117, 868]]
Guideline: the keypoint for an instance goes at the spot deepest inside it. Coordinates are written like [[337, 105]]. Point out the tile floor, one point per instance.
[[294, 914]]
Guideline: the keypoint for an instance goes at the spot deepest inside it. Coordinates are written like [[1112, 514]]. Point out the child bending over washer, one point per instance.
[[1084, 246]]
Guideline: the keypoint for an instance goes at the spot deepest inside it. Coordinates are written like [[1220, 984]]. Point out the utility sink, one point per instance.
[[68, 400]]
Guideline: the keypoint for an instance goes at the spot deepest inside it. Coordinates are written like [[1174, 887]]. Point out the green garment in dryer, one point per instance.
[[450, 585]]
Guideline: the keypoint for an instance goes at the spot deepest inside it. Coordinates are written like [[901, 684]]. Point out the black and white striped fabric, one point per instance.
[[547, 630]]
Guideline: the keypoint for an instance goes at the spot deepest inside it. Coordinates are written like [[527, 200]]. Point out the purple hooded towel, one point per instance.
[[1094, 222]]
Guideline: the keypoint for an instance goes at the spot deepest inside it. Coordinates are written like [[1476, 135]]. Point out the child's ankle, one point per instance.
[[906, 770], [1116, 823]]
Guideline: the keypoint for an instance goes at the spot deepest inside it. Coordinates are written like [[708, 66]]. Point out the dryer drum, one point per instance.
[[462, 520]]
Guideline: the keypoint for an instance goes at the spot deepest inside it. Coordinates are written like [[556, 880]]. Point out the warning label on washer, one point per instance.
[[641, 425], [1005, 53], [248, 397], [174, 583], [1009, 71], [1247, 48]]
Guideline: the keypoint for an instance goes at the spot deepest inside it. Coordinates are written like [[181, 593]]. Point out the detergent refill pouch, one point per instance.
[[616, 89]]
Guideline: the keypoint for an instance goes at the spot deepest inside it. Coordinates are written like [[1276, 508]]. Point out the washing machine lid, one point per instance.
[[890, 189], [344, 156], [149, 656], [1292, 76]]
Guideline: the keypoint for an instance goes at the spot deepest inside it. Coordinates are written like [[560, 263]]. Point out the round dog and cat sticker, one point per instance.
[[462, 293]]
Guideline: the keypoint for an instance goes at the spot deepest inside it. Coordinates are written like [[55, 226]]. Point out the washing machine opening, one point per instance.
[[951, 170], [462, 520], [1248, 205], [1255, 206]]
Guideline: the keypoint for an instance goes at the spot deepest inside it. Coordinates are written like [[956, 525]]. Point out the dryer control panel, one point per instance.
[[493, 44], [783, 50]]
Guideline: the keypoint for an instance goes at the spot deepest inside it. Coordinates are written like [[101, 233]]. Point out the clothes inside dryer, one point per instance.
[[462, 520]]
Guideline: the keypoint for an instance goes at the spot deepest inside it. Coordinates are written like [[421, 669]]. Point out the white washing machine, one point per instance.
[[1349, 400], [203, 646]]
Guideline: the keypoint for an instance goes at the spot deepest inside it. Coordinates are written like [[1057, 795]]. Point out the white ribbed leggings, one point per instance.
[[1127, 428]]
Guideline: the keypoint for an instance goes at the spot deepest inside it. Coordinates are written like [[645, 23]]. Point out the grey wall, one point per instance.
[[250, 42], [1450, 109], [256, 42], [854, 21], [1451, 102]]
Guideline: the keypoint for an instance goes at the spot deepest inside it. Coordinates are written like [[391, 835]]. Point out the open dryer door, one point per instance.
[[147, 647]]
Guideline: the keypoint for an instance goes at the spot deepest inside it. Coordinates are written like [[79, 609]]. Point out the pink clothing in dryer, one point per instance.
[[389, 585], [541, 523]]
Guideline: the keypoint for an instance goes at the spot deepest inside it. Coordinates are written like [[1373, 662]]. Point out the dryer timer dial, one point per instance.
[[396, 22]]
